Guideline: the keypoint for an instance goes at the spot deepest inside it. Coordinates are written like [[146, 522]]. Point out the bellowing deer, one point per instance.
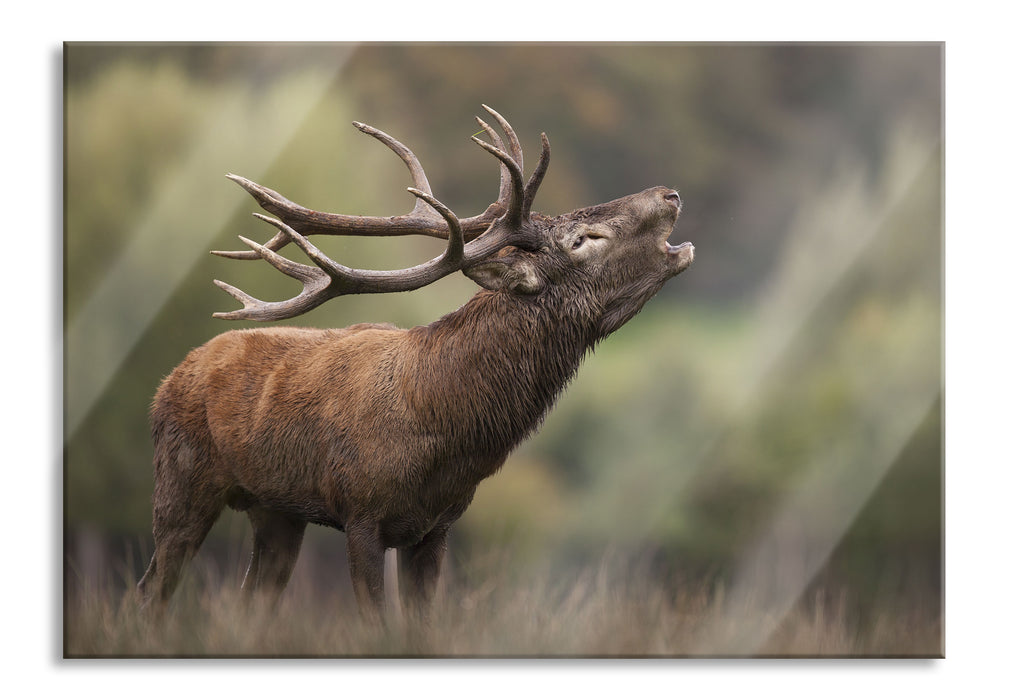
[[381, 432]]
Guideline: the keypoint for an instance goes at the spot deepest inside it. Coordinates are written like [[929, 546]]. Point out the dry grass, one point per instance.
[[606, 612]]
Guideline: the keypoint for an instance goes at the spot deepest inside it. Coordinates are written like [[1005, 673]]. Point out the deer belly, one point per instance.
[[310, 509], [407, 528], [404, 531]]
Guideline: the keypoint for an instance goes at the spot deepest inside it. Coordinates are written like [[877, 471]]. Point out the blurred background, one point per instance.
[[770, 424]]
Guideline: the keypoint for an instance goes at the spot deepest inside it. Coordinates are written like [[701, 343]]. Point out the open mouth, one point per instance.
[[679, 256]]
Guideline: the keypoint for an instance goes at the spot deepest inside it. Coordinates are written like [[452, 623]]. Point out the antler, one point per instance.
[[503, 223], [422, 220]]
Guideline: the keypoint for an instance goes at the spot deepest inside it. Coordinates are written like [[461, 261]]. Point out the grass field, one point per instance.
[[606, 611]]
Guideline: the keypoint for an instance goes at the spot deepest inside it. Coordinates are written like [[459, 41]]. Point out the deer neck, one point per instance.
[[493, 368]]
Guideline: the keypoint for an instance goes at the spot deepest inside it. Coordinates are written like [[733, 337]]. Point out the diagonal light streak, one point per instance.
[[173, 236]]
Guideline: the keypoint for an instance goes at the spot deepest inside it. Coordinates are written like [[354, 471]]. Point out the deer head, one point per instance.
[[606, 260]]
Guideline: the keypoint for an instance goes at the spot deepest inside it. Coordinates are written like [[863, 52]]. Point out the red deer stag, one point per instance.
[[381, 432]]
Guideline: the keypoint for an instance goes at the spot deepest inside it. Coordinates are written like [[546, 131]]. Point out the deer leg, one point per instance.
[[419, 568], [276, 541], [367, 569], [180, 527]]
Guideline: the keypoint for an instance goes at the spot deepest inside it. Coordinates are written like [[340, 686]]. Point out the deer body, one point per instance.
[[386, 433]]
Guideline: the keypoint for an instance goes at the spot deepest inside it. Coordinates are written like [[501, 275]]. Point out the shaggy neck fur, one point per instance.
[[492, 370]]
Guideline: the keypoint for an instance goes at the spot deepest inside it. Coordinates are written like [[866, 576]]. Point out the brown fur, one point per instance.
[[386, 433]]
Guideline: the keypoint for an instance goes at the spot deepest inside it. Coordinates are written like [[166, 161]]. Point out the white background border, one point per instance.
[[976, 358]]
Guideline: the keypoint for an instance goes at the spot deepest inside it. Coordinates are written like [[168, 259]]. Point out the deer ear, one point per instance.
[[519, 276]]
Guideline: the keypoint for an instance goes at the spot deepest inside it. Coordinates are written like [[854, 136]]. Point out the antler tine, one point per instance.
[[269, 200], [255, 310], [515, 202], [513, 140], [331, 279], [505, 186], [537, 177], [315, 283], [303, 273], [417, 173], [247, 301], [275, 243], [421, 219], [456, 241]]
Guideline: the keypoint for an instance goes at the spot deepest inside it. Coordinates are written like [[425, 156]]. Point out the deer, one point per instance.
[[381, 432]]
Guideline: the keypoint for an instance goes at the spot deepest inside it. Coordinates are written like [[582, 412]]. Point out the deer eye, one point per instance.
[[582, 237]]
